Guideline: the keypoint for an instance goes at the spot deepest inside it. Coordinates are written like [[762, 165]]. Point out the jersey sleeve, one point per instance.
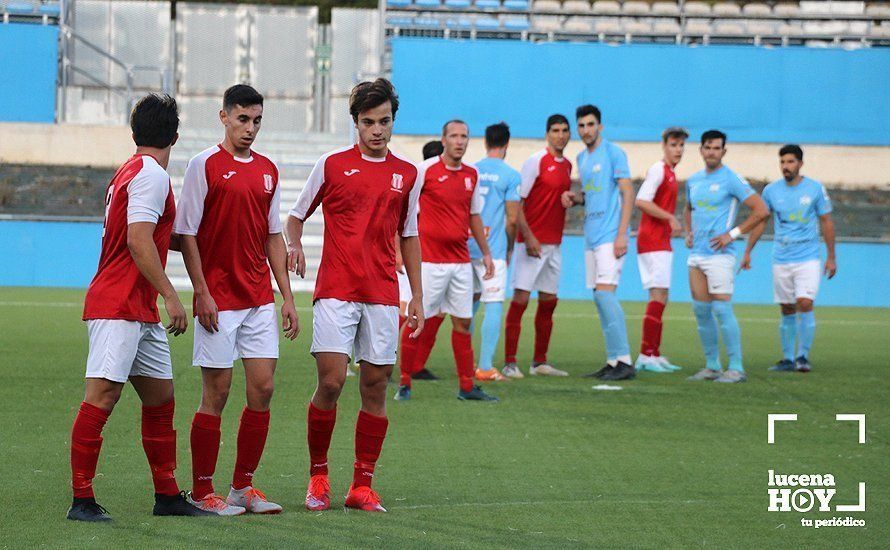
[[529, 172], [312, 193], [739, 188], [620, 167], [190, 209], [275, 207], [408, 226], [511, 194], [823, 202], [147, 196], [654, 178], [477, 201]]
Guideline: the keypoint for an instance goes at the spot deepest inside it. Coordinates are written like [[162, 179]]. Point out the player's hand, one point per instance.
[[568, 199], [620, 246], [179, 320], [676, 228], [688, 239], [533, 247], [207, 312], [721, 241], [416, 319], [296, 260], [830, 267], [489, 266], [746, 262], [290, 321]]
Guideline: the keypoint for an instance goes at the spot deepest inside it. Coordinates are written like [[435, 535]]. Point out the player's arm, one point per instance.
[[296, 260], [512, 209], [687, 222], [409, 247], [528, 174], [276, 251], [759, 212], [175, 242], [755, 235], [646, 196], [309, 199], [477, 228], [627, 208], [826, 223], [140, 241]]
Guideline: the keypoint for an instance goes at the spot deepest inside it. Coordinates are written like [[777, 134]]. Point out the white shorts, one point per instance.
[[404, 287], [494, 289], [541, 274], [366, 332], [447, 288], [243, 334], [719, 269], [797, 280], [603, 268], [655, 268], [120, 349]]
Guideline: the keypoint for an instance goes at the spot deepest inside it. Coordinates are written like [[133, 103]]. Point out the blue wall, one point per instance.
[[28, 71], [755, 94], [66, 255]]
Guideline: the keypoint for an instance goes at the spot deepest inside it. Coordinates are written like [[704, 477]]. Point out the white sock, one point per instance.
[[624, 359], [612, 362]]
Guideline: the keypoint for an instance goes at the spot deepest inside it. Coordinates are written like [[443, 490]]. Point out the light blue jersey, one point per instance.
[[714, 198], [498, 184], [796, 210], [600, 171]]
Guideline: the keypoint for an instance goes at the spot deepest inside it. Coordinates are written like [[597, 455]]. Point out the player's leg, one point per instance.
[[458, 303], [415, 351], [607, 270], [655, 273], [493, 292], [721, 273], [806, 284], [783, 294], [547, 285], [525, 272], [708, 331]]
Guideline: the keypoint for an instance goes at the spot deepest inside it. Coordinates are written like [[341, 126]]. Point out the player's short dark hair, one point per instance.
[[556, 119], [453, 121], [792, 149], [241, 95], [155, 121], [713, 134], [433, 149], [497, 135], [588, 109], [674, 132], [368, 95]]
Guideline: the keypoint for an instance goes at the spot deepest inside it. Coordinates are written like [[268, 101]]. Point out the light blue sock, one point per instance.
[[476, 305], [806, 327], [788, 334], [707, 333], [491, 332], [613, 323], [732, 335]]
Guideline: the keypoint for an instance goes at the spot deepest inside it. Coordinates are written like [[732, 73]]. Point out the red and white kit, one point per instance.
[[654, 253], [231, 205], [120, 309], [448, 198], [365, 201], [544, 179]]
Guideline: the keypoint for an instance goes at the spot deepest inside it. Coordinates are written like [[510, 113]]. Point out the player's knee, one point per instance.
[[804, 305], [520, 298], [330, 387], [105, 399], [263, 390], [788, 309], [214, 399]]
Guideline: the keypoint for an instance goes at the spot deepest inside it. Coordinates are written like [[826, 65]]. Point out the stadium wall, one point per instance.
[[65, 254], [29, 65], [756, 94]]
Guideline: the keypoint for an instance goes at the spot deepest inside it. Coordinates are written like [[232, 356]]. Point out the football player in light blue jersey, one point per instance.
[[797, 202], [500, 191], [712, 199], [608, 198]]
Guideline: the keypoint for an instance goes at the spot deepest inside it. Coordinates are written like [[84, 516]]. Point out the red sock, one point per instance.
[[512, 329], [370, 431], [86, 441], [251, 441], [462, 347], [159, 442], [320, 427], [205, 448], [652, 326], [543, 329], [416, 351]]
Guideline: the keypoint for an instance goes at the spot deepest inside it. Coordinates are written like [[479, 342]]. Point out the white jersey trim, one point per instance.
[[147, 192], [650, 185], [190, 210], [529, 173]]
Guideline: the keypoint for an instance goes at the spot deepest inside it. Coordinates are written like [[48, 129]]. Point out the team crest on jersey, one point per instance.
[[468, 183], [398, 183], [597, 167], [267, 183], [714, 187], [805, 200]]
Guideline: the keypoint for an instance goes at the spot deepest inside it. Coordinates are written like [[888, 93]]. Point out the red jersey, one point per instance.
[[660, 187], [544, 179], [139, 192], [365, 201], [449, 196], [231, 205]]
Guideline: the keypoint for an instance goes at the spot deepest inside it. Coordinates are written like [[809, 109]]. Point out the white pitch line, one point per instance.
[[540, 503], [849, 322]]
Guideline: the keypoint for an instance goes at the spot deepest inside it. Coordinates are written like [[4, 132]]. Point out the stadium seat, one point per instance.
[[786, 10], [457, 4], [880, 31], [516, 5], [726, 8], [606, 7], [579, 24], [665, 8], [516, 23], [666, 26], [546, 23], [427, 22], [20, 8], [877, 10], [757, 10], [400, 21], [488, 5], [50, 8], [576, 6], [635, 8], [458, 23], [428, 3], [637, 27], [760, 28], [486, 23], [398, 3], [546, 5], [607, 26], [696, 9], [697, 27], [729, 28], [792, 29]]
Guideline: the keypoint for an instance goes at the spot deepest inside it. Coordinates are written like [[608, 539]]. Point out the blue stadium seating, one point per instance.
[[400, 21], [459, 23], [516, 5], [515, 23], [398, 3], [488, 4], [20, 8], [458, 4], [428, 4], [52, 9], [487, 24], [427, 22]]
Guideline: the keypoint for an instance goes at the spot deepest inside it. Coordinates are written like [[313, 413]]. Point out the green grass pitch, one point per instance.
[[661, 463]]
